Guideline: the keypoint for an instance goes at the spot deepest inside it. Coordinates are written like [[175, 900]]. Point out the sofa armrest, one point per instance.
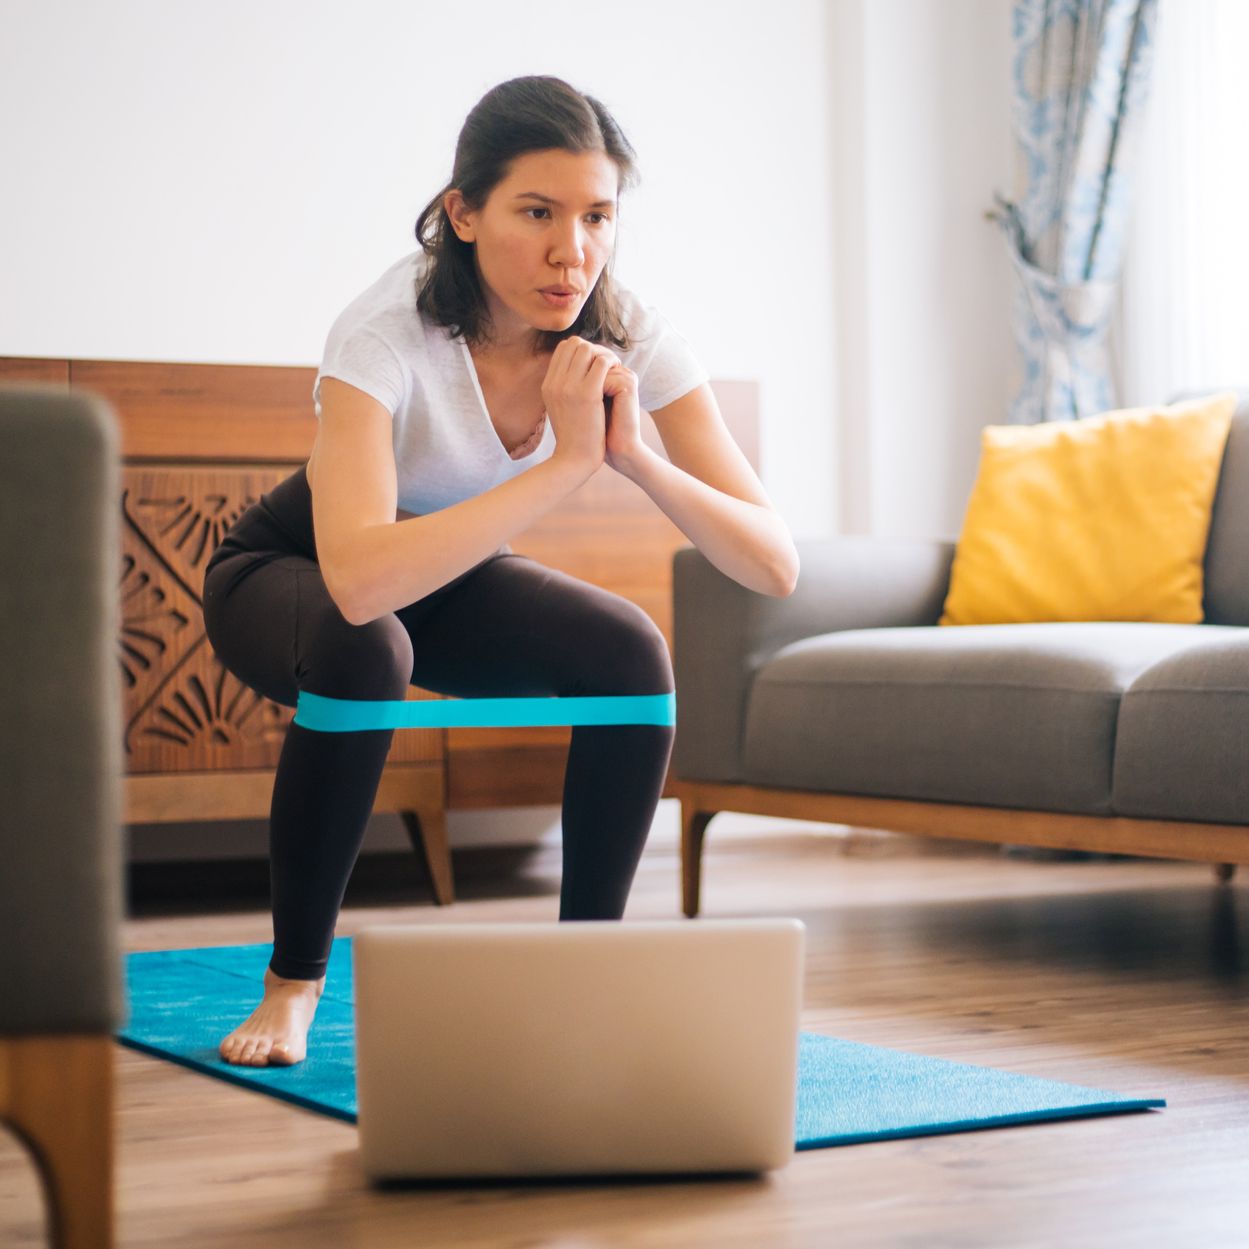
[[723, 633]]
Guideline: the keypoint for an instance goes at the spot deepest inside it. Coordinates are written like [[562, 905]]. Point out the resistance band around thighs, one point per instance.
[[350, 715]]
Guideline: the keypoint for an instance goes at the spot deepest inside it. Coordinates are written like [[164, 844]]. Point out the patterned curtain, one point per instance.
[[1081, 73]]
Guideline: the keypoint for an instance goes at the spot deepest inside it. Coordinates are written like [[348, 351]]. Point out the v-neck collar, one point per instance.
[[485, 411]]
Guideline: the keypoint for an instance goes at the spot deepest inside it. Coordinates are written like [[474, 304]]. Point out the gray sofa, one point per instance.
[[62, 992], [846, 703]]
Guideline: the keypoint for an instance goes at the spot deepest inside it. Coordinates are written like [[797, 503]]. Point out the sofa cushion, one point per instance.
[[1099, 519], [1019, 715], [1183, 742]]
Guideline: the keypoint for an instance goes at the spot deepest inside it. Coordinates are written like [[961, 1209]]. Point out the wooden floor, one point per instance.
[[1126, 975]]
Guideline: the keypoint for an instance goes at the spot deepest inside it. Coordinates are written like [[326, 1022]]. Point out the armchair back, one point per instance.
[[1226, 597], [61, 861]]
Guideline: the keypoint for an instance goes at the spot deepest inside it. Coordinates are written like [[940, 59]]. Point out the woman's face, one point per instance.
[[551, 222]]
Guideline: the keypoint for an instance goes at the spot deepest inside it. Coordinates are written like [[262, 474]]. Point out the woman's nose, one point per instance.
[[569, 250]]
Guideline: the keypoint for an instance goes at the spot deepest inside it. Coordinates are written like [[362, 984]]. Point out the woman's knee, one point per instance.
[[342, 660], [249, 620], [634, 652]]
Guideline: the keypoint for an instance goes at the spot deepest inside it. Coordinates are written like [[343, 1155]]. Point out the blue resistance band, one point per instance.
[[350, 715]]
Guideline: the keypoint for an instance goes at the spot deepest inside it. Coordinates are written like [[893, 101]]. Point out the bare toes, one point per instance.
[[283, 1052]]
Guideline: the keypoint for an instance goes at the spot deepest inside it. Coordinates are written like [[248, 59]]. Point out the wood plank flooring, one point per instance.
[[1128, 975]]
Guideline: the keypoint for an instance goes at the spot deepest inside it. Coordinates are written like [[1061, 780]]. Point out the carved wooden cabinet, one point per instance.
[[190, 721], [184, 712], [202, 443]]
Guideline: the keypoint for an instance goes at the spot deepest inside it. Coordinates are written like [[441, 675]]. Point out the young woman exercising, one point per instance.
[[461, 397]]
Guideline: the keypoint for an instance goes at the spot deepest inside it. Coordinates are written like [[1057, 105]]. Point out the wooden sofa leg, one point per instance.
[[693, 829], [427, 829], [57, 1092], [1224, 872]]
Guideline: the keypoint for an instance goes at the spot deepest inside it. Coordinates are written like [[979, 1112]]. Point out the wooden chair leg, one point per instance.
[[427, 829], [1224, 872], [57, 1093], [693, 830]]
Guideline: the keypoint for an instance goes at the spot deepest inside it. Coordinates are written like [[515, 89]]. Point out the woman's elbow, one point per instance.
[[783, 589], [352, 613], [344, 596], [785, 575]]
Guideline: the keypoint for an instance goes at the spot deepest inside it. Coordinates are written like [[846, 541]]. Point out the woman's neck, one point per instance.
[[512, 358]]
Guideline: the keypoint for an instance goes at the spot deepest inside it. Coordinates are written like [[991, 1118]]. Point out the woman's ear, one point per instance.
[[460, 218]]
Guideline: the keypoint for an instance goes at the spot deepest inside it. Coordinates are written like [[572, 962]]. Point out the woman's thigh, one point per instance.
[[272, 622], [516, 628], [511, 627]]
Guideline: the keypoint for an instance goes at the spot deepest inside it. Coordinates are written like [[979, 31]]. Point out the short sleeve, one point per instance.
[[361, 357], [663, 360]]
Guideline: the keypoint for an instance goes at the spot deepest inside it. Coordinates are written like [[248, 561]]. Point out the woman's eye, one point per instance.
[[603, 217]]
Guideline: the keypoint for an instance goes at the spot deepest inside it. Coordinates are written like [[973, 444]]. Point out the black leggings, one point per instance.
[[508, 627]]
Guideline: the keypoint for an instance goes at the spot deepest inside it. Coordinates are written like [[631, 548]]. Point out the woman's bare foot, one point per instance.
[[277, 1030]]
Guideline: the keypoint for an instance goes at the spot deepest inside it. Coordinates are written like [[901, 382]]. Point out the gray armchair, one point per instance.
[[845, 703], [62, 992]]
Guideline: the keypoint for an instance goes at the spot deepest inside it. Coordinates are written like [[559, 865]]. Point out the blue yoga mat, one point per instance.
[[182, 1002]]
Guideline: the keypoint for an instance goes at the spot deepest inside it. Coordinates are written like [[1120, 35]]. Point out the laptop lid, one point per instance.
[[577, 1048]]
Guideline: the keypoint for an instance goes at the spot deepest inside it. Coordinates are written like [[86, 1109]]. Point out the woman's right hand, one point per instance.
[[573, 393]]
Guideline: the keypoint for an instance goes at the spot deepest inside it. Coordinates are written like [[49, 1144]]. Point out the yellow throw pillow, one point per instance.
[[1100, 519]]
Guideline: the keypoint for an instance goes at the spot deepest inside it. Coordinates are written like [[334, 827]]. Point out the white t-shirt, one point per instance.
[[446, 449]]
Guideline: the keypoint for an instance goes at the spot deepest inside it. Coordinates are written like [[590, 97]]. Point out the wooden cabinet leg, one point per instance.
[[427, 827], [57, 1093], [1224, 871], [693, 828]]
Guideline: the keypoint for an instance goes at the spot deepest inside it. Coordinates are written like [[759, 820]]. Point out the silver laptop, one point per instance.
[[577, 1048]]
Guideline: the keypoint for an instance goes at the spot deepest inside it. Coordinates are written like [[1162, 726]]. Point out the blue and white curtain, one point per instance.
[[1081, 74]]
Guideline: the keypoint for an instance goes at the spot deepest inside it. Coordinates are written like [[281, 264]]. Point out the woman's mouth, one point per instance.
[[558, 297]]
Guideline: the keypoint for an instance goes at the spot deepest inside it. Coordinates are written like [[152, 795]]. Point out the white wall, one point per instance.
[[922, 124], [213, 184], [1182, 322]]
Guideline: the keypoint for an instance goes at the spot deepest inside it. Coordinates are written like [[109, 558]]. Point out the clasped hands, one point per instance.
[[580, 381]]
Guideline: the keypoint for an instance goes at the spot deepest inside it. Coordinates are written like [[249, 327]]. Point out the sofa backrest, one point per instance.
[[1227, 551]]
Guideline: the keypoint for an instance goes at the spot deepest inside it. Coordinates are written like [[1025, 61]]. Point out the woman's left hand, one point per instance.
[[624, 420]]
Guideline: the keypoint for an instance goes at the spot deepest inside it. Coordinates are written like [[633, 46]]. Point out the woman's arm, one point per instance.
[[373, 564], [707, 487], [395, 564]]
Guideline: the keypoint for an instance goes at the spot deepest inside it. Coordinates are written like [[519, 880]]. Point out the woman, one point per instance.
[[461, 397]]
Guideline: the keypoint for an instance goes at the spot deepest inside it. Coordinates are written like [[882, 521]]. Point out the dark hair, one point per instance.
[[530, 114]]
